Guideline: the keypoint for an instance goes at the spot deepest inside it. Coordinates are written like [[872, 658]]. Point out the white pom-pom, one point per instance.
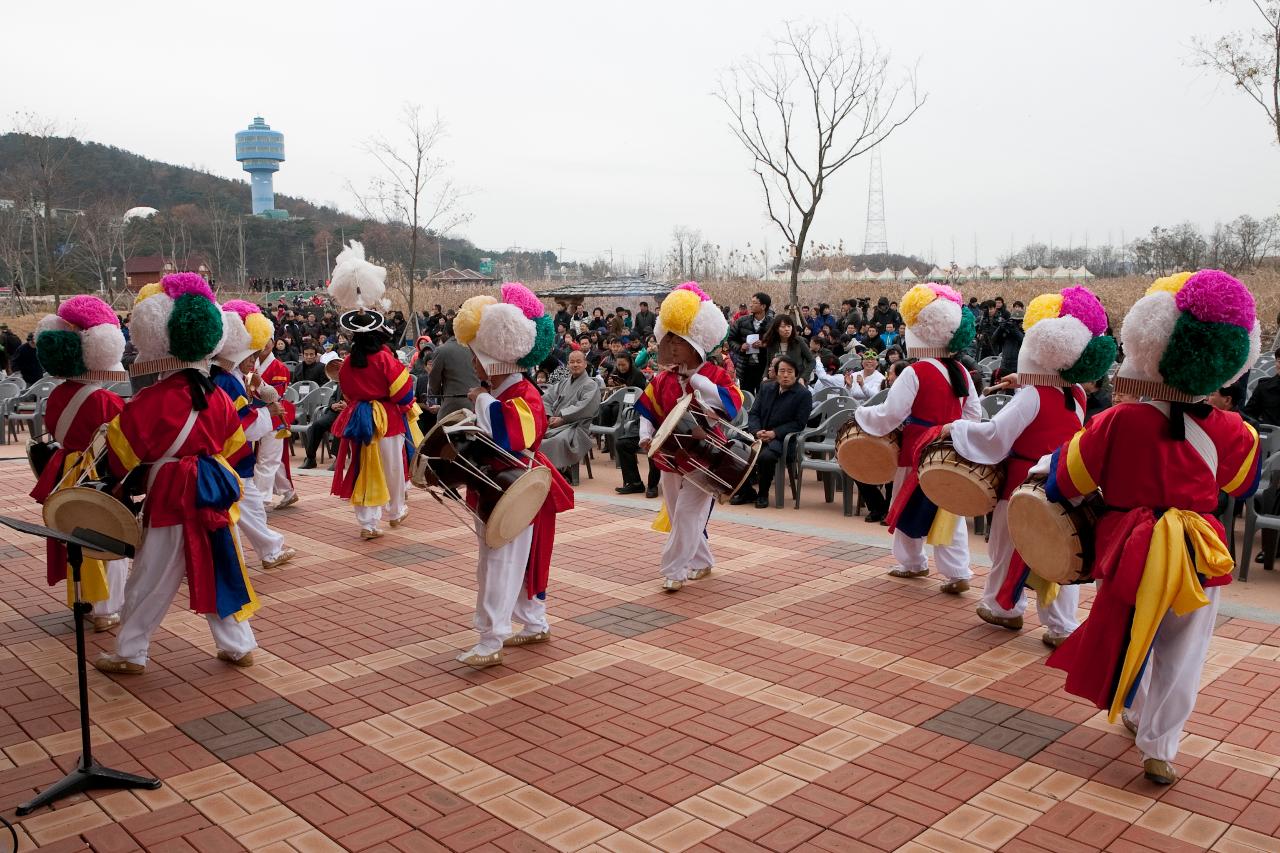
[[355, 282], [935, 325], [1052, 345], [149, 327], [709, 327], [1145, 335], [102, 346], [53, 323], [236, 343], [505, 333]]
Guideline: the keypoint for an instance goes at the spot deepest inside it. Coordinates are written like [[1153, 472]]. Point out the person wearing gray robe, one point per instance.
[[452, 377], [570, 405]]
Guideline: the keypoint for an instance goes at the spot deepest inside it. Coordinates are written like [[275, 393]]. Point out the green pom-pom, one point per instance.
[[61, 353], [964, 334], [195, 328], [542, 344], [1202, 357], [1094, 362]]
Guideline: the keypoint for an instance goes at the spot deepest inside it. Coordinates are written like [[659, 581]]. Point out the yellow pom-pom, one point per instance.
[[915, 299], [467, 321], [1046, 306], [148, 291], [260, 330], [1169, 284], [679, 308]]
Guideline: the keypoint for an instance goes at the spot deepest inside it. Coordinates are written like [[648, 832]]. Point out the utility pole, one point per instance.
[[243, 271], [302, 249], [328, 269]]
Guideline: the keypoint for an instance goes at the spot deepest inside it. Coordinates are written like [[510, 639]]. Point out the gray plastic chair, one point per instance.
[[1254, 520], [994, 403], [817, 440]]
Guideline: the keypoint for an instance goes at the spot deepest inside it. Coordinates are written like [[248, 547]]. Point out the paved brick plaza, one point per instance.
[[797, 699]]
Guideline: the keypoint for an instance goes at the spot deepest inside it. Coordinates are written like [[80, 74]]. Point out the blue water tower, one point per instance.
[[260, 151]]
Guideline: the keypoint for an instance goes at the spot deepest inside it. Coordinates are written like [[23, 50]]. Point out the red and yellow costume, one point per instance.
[[380, 405]]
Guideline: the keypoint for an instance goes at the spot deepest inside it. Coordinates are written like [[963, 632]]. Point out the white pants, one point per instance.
[[158, 570], [117, 577], [253, 523], [391, 448], [689, 509], [268, 473], [1167, 693], [500, 592], [952, 560], [1059, 617]]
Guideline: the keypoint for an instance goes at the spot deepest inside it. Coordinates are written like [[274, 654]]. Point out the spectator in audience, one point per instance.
[[452, 378], [745, 336], [11, 342], [27, 362], [783, 338], [598, 322], [1006, 340], [1264, 403], [624, 373], [781, 408], [310, 369], [570, 405], [420, 362], [618, 322], [322, 420], [891, 356], [642, 325], [1097, 397], [890, 335], [867, 382], [1228, 399], [826, 373], [646, 357], [872, 340]]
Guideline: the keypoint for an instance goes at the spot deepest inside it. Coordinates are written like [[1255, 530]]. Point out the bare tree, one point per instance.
[[223, 233], [38, 181], [1250, 60], [848, 104], [104, 240], [413, 189], [685, 242]]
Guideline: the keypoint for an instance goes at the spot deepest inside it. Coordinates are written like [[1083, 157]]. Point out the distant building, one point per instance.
[[453, 276], [260, 151], [148, 269]]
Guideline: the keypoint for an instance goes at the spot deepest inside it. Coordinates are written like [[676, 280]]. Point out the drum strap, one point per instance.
[[912, 420], [68, 416], [173, 448]]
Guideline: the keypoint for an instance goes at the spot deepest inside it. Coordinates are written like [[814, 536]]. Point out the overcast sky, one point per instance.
[[590, 125]]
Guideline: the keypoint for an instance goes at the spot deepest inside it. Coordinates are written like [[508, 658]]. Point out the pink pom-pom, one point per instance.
[[947, 292], [243, 307], [1212, 296], [85, 312], [181, 283], [1079, 302], [692, 287], [515, 293]]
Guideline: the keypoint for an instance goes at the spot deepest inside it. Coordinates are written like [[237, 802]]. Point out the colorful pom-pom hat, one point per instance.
[[507, 335], [358, 287], [175, 324], [1066, 340], [1191, 334], [688, 312], [248, 330], [937, 324], [82, 341]]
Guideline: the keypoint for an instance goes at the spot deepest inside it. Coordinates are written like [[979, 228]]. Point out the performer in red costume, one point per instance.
[[1160, 552], [506, 338], [183, 429], [379, 427], [931, 392], [82, 344], [271, 473], [689, 326], [1065, 344]]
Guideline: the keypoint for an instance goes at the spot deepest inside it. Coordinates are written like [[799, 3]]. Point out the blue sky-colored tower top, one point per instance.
[[260, 151]]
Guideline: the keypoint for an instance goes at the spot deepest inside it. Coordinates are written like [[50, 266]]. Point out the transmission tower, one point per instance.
[[876, 241]]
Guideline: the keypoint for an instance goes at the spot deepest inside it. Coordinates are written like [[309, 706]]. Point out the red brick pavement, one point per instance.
[[796, 699]]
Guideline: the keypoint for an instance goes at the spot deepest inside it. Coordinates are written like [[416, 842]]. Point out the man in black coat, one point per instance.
[[1264, 402], [642, 324], [310, 370], [782, 408], [745, 335], [26, 362]]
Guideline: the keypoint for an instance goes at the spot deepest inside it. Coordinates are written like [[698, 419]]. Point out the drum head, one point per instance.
[[957, 490], [669, 424], [868, 459], [517, 507], [1045, 536], [91, 509]]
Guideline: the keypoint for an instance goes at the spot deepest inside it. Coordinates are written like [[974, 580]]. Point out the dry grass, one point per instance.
[[1117, 294]]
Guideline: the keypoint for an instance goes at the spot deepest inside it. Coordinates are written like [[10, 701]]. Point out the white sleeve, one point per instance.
[[707, 393], [646, 429], [972, 410], [989, 442], [889, 415], [483, 402], [261, 426]]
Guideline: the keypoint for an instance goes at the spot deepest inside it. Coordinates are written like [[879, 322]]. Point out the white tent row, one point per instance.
[[975, 273]]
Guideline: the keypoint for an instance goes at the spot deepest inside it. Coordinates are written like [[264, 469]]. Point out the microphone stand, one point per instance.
[[88, 773]]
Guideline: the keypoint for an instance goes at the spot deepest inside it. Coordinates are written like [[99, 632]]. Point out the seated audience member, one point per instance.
[[1097, 398], [1228, 399], [570, 405], [866, 382], [781, 408], [1264, 402], [624, 373], [309, 369], [322, 421], [826, 373]]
